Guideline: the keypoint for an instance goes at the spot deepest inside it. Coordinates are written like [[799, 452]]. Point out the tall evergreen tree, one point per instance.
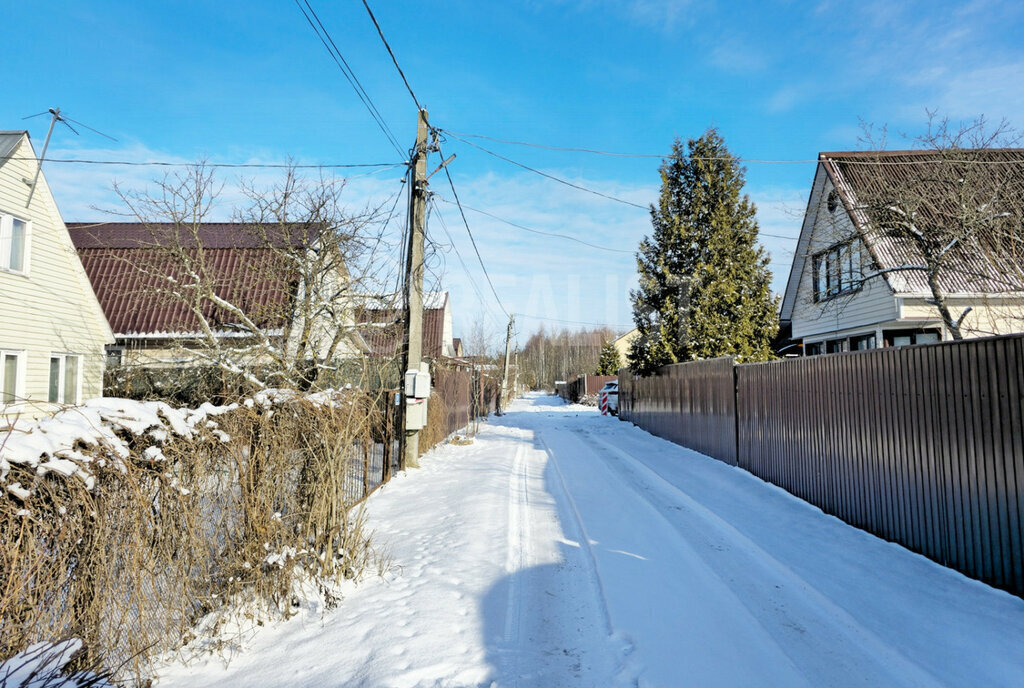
[[704, 283], [609, 362]]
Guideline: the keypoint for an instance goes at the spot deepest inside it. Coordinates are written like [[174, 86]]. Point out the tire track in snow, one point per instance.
[[517, 558], [625, 673], [821, 634]]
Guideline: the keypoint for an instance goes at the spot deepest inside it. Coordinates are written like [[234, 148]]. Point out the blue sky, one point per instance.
[[250, 82]]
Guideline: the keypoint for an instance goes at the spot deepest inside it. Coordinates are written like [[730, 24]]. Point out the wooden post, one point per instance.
[[414, 283], [503, 396]]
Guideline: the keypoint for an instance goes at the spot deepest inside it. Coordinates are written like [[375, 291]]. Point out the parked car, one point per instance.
[[608, 398]]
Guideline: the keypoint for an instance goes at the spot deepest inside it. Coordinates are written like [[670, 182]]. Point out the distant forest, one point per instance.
[[561, 355]]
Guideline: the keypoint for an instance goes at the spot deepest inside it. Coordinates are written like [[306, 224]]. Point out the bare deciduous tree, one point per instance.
[[562, 355], [943, 219], [282, 311], [956, 214]]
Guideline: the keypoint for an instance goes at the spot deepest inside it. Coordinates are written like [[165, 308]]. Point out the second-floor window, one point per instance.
[[13, 243], [839, 269]]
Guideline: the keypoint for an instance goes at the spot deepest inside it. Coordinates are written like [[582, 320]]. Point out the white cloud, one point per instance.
[[86, 191], [542, 275], [996, 91], [738, 57], [665, 15], [780, 212], [785, 98]]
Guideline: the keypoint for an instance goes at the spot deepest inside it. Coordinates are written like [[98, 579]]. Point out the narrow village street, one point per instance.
[[563, 548]]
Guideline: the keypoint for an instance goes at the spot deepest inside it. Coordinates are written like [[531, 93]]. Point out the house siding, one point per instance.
[[990, 314], [51, 308], [623, 344], [874, 303], [888, 301]]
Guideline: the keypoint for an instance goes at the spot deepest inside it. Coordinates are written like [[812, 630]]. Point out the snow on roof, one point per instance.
[[380, 321]]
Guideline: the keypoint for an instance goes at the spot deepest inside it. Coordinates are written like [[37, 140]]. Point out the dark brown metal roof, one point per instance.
[[211, 235], [129, 273], [940, 188]]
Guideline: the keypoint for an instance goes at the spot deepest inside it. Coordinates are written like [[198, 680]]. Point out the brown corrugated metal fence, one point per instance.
[[583, 385], [693, 404], [919, 445]]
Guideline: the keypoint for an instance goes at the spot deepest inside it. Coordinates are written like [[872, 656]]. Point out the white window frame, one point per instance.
[[839, 269], [6, 239], [63, 357], [19, 379]]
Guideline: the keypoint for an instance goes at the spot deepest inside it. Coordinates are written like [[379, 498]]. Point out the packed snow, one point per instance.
[[42, 665], [563, 548]]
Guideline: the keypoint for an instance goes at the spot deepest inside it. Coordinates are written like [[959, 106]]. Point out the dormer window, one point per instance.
[[839, 269]]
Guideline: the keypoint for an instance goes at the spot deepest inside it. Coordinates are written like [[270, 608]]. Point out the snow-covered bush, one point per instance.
[[124, 522]]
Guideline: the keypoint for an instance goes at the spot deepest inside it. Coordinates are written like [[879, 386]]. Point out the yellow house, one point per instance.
[[624, 342], [53, 333]]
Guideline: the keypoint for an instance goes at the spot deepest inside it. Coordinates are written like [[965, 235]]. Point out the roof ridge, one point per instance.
[[828, 155]]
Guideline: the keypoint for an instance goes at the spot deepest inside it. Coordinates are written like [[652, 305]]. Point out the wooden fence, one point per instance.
[[922, 445]]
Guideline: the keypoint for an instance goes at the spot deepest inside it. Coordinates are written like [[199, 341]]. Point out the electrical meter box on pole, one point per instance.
[[417, 391]]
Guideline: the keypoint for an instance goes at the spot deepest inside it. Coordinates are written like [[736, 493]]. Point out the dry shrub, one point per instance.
[[436, 430], [233, 517]]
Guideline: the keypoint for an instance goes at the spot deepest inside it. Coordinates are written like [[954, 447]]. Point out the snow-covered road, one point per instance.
[[563, 548]]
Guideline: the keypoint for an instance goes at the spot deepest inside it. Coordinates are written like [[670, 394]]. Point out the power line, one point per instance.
[[758, 161], [554, 148], [549, 176], [472, 281], [537, 231], [324, 35], [392, 54], [473, 241], [164, 163], [593, 151], [384, 225], [570, 322], [580, 241]]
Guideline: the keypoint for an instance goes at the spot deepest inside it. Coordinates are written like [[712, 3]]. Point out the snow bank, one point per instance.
[[42, 665], [106, 429]]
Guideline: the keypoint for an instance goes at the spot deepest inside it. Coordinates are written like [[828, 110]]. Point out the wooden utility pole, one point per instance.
[[515, 375], [508, 351], [414, 283]]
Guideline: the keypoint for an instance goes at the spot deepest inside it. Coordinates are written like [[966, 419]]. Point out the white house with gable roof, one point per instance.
[[53, 334], [854, 285]]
